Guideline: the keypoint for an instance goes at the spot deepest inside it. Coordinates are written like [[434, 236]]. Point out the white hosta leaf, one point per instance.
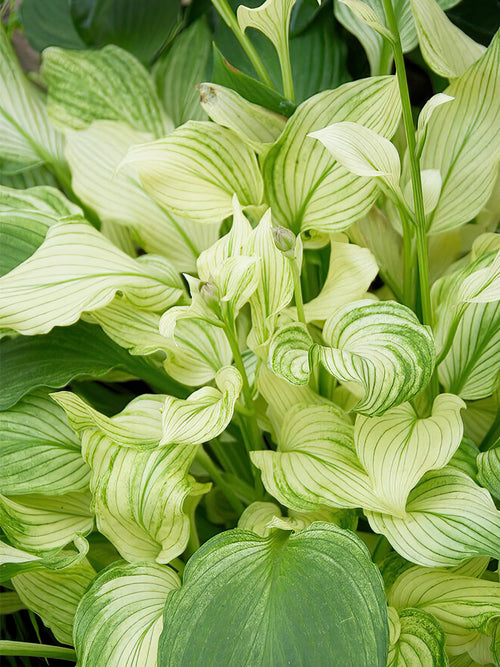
[[255, 125], [77, 269], [445, 48], [195, 171], [367, 15], [41, 198], [205, 414], [107, 84], [297, 521], [258, 516], [54, 595], [121, 615], [398, 448], [315, 465], [43, 523], [272, 18], [428, 109], [26, 135], [15, 561], [236, 280], [380, 350], [40, 452], [488, 464], [465, 606], [305, 187], [94, 155], [289, 353], [362, 151], [431, 189], [448, 519], [483, 285], [463, 142], [352, 270], [465, 458], [417, 639]]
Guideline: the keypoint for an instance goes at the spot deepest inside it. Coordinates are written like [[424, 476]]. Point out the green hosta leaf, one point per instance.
[[181, 69], [462, 142], [305, 187], [195, 171], [255, 125], [40, 453], [380, 350], [397, 449], [109, 84], [42, 523], [448, 519], [41, 198], [417, 640], [94, 155], [205, 414], [488, 464], [10, 603], [49, 28], [78, 269], [54, 595], [464, 606], [242, 593], [289, 353], [445, 48], [121, 615], [21, 233]]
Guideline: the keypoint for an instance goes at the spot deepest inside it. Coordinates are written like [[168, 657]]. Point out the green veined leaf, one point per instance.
[[195, 171], [366, 14], [241, 590], [54, 595], [380, 350], [448, 519], [40, 453], [78, 269], [462, 142], [419, 640], [205, 414], [121, 615], [257, 517], [289, 353], [272, 18], [21, 233], [109, 84], [15, 561], [488, 464], [465, 458], [397, 449], [41, 198], [445, 48]]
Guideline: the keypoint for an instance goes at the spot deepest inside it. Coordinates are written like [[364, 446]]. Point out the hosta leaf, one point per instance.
[[380, 350], [488, 464], [463, 605], [445, 48], [21, 233], [448, 519], [419, 640], [77, 269], [40, 453], [272, 18], [305, 187], [431, 190], [366, 14], [41, 198], [241, 596], [195, 171], [205, 414], [462, 142], [94, 155], [257, 517], [465, 458], [109, 84], [289, 353], [122, 615], [52, 28], [54, 595], [397, 449]]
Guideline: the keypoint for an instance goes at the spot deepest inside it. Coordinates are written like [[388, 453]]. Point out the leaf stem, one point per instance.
[[217, 476], [33, 650], [297, 290]]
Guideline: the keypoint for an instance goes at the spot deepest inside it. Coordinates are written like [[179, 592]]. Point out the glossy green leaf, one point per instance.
[[241, 596], [21, 233], [417, 640], [49, 28]]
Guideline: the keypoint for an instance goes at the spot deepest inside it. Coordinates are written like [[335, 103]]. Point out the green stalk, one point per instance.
[[286, 71], [491, 438], [297, 290], [227, 15], [216, 474], [8, 647], [451, 333]]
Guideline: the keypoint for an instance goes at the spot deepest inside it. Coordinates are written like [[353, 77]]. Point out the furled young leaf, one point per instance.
[[367, 15], [257, 517], [445, 48], [289, 353], [195, 171], [181, 69], [305, 187], [40, 453], [380, 350], [463, 142], [448, 519], [431, 190], [416, 639], [77, 269], [397, 449], [488, 464], [465, 607], [242, 595], [121, 615], [109, 84], [205, 414], [54, 595]]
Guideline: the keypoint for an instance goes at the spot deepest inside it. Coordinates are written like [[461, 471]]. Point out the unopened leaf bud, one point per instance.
[[210, 295], [284, 240]]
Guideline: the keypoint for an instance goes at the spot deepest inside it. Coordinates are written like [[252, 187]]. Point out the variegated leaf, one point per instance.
[[488, 464], [417, 639], [289, 353]]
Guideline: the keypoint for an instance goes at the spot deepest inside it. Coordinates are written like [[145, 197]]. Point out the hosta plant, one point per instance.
[[250, 338]]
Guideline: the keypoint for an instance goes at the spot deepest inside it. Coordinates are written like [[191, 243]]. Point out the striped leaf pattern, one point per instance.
[[463, 142], [41, 198], [122, 615], [195, 171], [416, 639], [448, 519], [272, 19], [108, 84], [488, 464], [77, 269], [305, 187], [16, 561], [289, 353], [380, 350]]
